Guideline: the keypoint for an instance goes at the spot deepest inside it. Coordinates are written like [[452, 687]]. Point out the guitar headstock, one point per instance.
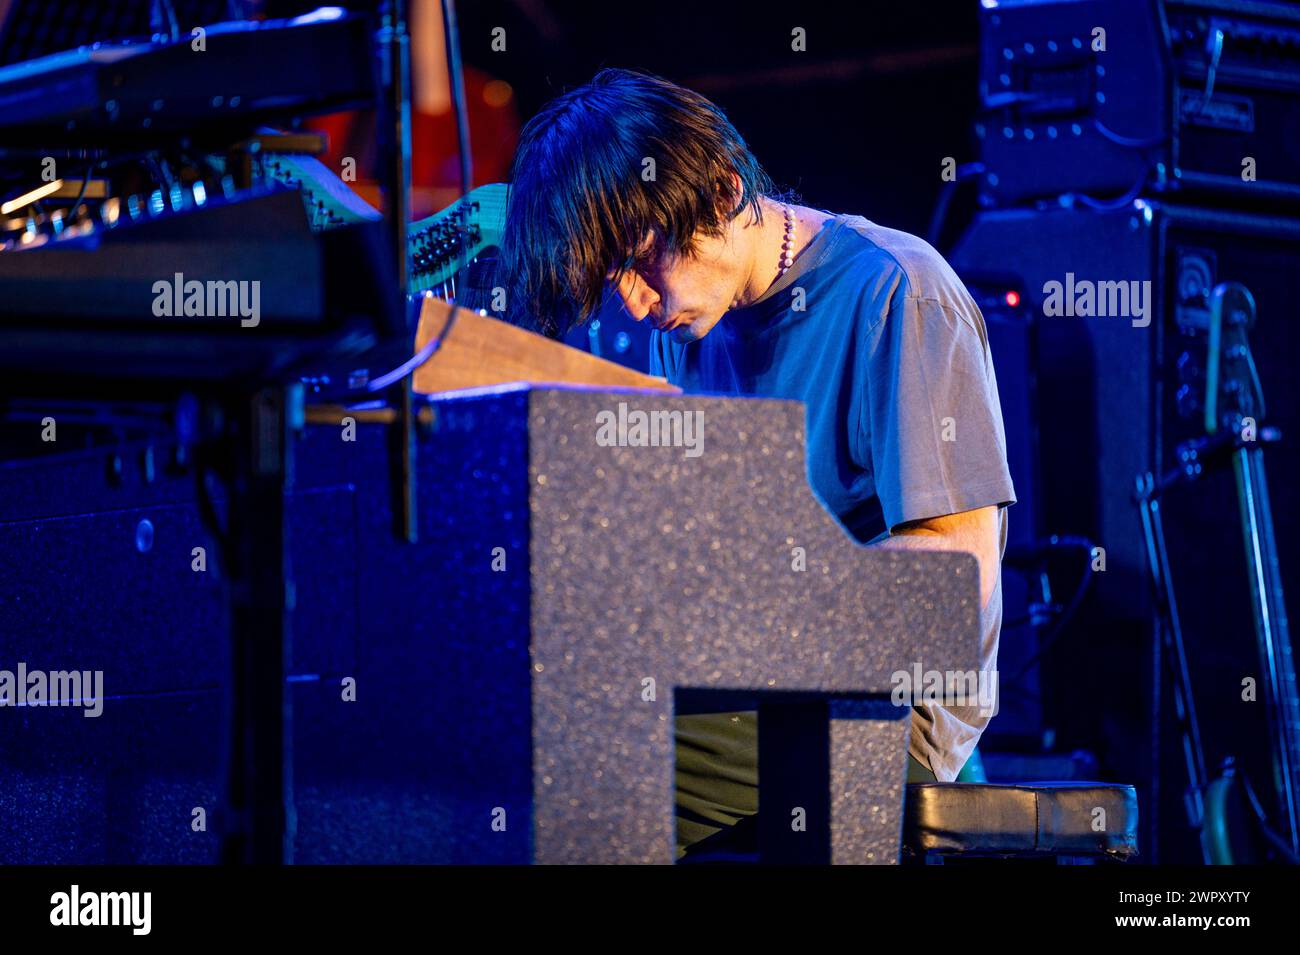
[[433, 244], [1232, 386], [330, 202]]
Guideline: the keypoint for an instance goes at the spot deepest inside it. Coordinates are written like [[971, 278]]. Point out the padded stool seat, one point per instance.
[[1024, 819]]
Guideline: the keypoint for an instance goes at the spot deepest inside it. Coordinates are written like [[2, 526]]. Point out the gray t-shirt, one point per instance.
[[875, 334]]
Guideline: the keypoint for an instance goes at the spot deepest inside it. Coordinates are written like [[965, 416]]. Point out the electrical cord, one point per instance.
[[1105, 205], [966, 171], [1274, 838], [1049, 638], [81, 194], [1127, 141]]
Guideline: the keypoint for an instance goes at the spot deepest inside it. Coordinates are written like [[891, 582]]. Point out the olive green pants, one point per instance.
[[717, 783], [916, 773]]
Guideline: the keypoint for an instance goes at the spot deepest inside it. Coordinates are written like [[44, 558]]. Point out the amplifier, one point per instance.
[[1108, 97], [1118, 391]]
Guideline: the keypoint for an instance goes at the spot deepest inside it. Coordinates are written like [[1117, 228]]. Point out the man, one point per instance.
[[635, 183]]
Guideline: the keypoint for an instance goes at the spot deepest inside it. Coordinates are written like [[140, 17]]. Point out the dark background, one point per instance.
[[859, 123]]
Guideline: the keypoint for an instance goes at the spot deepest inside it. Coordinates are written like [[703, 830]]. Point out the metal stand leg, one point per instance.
[[259, 818], [1170, 653]]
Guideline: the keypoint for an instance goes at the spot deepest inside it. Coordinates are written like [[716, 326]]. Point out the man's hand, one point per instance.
[[975, 532]]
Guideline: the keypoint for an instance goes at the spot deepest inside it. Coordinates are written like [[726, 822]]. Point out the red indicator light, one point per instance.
[[1013, 298]]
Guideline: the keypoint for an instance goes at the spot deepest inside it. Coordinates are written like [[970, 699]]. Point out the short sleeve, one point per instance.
[[932, 419], [656, 354]]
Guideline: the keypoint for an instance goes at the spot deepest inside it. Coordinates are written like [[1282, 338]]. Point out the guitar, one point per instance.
[[432, 244], [1236, 829]]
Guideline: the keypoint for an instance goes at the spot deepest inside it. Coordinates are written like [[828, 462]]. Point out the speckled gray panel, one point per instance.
[[649, 563], [868, 775], [512, 691]]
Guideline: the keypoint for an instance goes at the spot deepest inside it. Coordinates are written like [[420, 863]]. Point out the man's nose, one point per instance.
[[638, 297]]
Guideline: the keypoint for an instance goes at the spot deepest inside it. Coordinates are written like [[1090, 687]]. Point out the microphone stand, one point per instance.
[[393, 116]]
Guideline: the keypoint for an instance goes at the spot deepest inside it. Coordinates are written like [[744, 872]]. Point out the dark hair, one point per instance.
[[579, 207]]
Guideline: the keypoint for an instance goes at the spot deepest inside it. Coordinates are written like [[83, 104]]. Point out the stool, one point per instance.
[[1064, 822]]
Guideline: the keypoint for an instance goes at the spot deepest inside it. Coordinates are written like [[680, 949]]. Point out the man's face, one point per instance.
[[686, 295]]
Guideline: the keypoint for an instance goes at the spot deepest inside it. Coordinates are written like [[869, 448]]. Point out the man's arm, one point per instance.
[[975, 532]]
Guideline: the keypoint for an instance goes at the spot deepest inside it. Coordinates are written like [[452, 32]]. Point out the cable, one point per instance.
[[457, 76], [1104, 205], [1127, 141], [76, 203], [1072, 607], [1277, 841], [420, 357], [967, 171]]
